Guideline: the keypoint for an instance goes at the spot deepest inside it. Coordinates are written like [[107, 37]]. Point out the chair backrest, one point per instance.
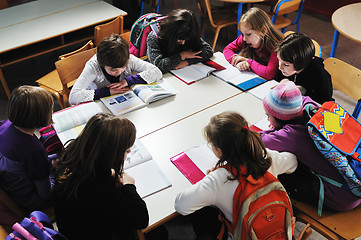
[[345, 77], [205, 9], [87, 46], [126, 36], [318, 49], [106, 29], [70, 68], [3, 233], [286, 6]]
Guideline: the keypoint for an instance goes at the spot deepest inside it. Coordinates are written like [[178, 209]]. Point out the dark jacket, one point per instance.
[[315, 79]]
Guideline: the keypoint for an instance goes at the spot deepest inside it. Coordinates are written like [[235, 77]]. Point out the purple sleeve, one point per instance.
[[135, 79], [279, 140], [233, 48], [269, 71], [101, 92]]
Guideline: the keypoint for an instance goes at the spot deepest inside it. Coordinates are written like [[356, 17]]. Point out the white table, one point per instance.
[[346, 21], [42, 26], [180, 136], [188, 101]]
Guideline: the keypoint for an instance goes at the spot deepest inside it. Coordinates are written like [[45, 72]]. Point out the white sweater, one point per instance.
[[92, 78], [216, 190]]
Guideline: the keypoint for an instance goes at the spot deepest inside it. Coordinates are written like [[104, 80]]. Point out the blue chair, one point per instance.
[[347, 79], [282, 9], [153, 3]]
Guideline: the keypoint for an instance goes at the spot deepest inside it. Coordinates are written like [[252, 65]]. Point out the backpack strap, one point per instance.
[[321, 194]]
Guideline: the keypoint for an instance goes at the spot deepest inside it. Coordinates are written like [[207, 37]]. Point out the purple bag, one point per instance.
[[33, 229]]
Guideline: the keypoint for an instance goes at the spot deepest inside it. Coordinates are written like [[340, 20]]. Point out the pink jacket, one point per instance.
[[268, 72]]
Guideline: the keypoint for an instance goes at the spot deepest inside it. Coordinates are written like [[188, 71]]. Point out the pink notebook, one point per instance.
[[187, 167]]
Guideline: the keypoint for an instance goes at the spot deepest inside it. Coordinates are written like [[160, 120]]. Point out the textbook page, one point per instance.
[[262, 90], [123, 103], [233, 76], [154, 91], [195, 162], [68, 123], [261, 125], [149, 178], [192, 73]]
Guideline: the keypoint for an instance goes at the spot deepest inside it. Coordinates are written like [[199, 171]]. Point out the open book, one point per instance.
[[138, 96], [195, 162], [68, 123], [262, 90], [195, 72], [234, 76], [149, 178]]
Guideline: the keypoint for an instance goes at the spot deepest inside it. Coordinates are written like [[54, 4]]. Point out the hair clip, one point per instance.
[[245, 128]]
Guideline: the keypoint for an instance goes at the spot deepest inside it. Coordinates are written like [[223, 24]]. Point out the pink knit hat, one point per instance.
[[284, 101]]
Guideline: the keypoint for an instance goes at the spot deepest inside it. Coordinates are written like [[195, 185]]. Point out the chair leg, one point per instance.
[[215, 38], [61, 100]]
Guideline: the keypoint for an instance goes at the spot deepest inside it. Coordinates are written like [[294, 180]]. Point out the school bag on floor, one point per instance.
[[139, 33], [261, 210], [337, 136], [37, 227]]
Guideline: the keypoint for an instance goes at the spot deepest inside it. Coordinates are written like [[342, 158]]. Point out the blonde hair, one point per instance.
[[256, 19]]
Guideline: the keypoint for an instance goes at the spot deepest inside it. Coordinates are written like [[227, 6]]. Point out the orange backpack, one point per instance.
[[261, 210]]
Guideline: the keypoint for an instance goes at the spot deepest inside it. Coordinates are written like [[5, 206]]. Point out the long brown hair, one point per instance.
[[240, 146], [100, 147], [256, 19]]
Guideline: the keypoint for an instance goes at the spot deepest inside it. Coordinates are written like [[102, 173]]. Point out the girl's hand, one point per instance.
[[243, 66], [189, 54], [237, 59], [182, 64], [126, 179], [119, 87]]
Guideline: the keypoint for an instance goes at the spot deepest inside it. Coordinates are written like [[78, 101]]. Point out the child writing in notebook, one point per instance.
[[254, 48], [298, 63], [284, 107], [26, 170], [111, 71], [94, 198], [178, 43], [237, 148]]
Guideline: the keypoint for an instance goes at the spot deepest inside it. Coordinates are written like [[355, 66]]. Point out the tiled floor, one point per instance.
[[316, 27]]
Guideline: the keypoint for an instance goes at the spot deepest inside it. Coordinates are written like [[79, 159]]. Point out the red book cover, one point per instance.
[[187, 167]]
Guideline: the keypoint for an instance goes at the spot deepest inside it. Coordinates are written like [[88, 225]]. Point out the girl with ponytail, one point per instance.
[[239, 149]]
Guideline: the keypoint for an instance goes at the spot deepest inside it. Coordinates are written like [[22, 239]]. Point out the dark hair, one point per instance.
[[30, 107], [256, 19], [297, 49], [240, 146], [100, 147], [113, 52], [181, 24]]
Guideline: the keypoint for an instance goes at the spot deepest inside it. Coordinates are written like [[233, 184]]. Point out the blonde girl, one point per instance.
[[254, 48]]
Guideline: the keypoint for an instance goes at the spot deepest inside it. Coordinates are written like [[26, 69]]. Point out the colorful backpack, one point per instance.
[[139, 33], [337, 135], [261, 210], [37, 227]]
